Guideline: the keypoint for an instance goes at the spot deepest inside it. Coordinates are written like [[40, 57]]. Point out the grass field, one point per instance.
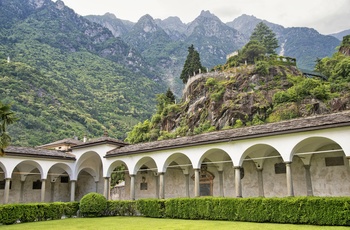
[[142, 223]]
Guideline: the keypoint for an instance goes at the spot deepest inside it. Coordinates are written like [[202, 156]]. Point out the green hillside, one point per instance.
[[69, 77]]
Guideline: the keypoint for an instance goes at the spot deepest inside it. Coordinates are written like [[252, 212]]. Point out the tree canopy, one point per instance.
[[192, 65], [264, 35], [7, 117]]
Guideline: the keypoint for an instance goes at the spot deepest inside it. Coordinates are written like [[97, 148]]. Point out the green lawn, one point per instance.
[[142, 223]]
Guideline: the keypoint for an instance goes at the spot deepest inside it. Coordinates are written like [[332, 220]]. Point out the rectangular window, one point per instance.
[[334, 161], [64, 179], [280, 168], [37, 184]]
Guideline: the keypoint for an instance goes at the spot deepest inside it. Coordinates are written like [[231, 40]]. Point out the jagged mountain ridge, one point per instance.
[[214, 40]]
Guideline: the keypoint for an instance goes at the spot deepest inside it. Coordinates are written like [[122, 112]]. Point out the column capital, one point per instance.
[[73, 181], [237, 167], [307, 166], [287, 162], [106, 177]]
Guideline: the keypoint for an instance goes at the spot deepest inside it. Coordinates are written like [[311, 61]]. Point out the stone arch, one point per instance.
[[215, 156], [258, 153], [59, 175], [259, 161], [89, 160], [323, 169], [58, 169], [147, 161], [181, 160], [26, 178], [30, 165], [115, 164], [4, 170], [311, 145], [215, 166], [88, 172]]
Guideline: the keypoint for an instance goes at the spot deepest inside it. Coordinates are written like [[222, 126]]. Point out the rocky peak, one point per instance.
[[246, 24], [208, 25], [111, 22], [173, 26], [147, 23]]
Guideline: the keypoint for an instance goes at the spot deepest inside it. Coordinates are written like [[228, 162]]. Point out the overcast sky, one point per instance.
[[326, 16]]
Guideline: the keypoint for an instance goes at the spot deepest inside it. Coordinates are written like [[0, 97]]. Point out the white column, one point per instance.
[[260, 182], [187, 178], [106, 188], [289, 179], [308, 180], [161, 186], [96, 186], [53, 191], [7, 190], [238, 183], [43, 189], [21, 195], [72, 190], [221, 182], [196, 183], [132, 187]]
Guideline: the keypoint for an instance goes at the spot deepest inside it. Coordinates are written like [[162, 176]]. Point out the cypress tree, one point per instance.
[[192, 65], [264, 35]]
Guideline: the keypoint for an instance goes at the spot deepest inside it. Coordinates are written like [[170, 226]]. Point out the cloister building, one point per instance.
[[300, 157]]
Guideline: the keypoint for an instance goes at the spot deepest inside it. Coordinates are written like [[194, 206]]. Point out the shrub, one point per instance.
[[262, 67], [121, 208], [151, 207], [93, 204]]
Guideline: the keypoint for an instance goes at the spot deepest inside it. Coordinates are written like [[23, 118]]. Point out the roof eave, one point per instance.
[[266, 134]]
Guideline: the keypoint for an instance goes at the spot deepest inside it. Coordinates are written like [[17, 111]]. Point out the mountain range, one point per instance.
[[68, 75], [213, 39]]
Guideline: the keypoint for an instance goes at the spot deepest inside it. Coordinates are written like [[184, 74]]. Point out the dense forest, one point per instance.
[[65, 76]]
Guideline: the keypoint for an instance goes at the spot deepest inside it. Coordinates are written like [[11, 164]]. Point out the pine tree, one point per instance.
[[192, 65], [170, 96], [264, 35]]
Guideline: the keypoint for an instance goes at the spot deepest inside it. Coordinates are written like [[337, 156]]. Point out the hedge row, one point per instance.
[[296, 210], [12, 213]]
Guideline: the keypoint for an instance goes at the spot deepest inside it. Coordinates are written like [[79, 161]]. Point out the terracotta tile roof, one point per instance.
[[270, 129], [37, 152]]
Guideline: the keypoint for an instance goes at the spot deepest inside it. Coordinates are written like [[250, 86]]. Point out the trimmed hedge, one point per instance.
[[293, 210], [296, 210], [151, 207], [11, 213], [121, 208]]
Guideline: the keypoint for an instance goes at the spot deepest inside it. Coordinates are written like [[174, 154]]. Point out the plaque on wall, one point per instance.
[[205, 190], [280, 168], [37, 184], [143, 186], [334, 161]]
